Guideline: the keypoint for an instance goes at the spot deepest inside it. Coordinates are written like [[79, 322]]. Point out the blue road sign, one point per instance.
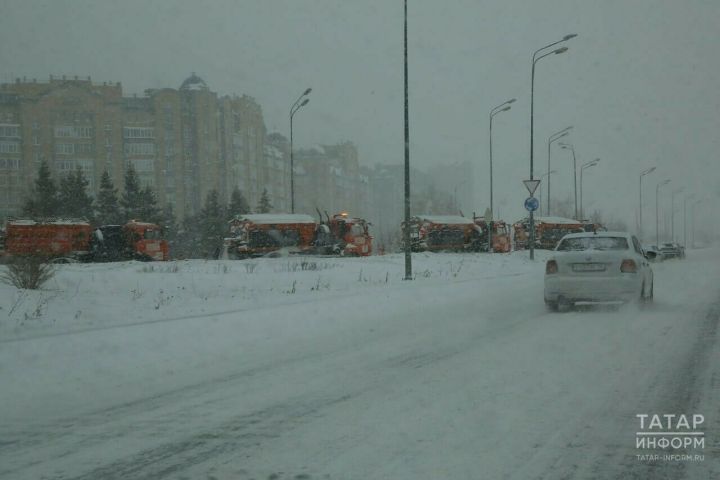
[[531, 204]]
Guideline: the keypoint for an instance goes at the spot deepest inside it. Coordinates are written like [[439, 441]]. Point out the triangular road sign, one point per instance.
[[531, 186]]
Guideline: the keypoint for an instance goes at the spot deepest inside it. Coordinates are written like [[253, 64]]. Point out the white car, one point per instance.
[[602, 267]]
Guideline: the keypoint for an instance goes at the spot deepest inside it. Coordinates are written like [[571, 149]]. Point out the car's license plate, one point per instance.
[[588, 267]]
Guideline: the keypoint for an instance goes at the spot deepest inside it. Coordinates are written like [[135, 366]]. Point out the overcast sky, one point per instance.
[[639, 83]]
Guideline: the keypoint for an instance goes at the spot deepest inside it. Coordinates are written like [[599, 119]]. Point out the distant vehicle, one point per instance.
[[48, 238], [597, 268], [548, 231], [436, 233], [654, 254], [64, 260], [256, 235], [134, 240], [342, 234], [672, 250], [500, 237]]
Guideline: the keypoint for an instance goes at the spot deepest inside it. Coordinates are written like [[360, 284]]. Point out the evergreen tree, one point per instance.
[[108, 207], [187, 239], [73, 198], [264, 206], [212, 226], [148, 209], [44, 200], [238, 204], [132, 197]]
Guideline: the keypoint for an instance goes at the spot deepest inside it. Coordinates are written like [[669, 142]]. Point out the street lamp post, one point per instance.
[[695, 204], [672, 214], [589, 164], [503, 107], [299, 103], [685, 244], [547, 174], [657, 211], [406, 233], [642, 174], [569, 146], [536, 59], [555, 136]]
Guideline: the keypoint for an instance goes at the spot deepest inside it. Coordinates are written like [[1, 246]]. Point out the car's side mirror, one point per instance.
[[650, 255]]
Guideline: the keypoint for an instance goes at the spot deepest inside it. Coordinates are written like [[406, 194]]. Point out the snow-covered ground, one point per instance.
[[318, 368]]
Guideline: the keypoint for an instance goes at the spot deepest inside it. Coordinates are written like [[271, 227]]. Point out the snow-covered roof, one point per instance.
[[278, 218], [446, 219], [558, 220], [598, 234], [58, 221], [193, 82], [143, 224]]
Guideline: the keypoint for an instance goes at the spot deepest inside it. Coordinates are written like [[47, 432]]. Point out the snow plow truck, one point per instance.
[[342, 234], [76, 240], [548, 231], [435, 233], [500, 237], [133, 241], [50, 238], [256, 235]]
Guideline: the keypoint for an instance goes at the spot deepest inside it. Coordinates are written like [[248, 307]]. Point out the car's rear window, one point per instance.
[[593, 243]]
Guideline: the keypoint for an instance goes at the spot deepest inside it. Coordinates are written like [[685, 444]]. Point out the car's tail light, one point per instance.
[[628, 266], [551, 267]]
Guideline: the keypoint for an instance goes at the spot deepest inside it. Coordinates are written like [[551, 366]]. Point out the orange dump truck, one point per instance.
[[344, 235], [133, 241], [500, 237], [255, 235], [52, 238], [548, 231], [441, 233]]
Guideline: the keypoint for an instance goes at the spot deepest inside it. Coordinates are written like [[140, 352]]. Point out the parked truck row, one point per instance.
[[77, 240], [255, 235]]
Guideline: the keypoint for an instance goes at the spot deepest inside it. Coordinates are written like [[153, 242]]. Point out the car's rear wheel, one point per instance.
[[551, 306]]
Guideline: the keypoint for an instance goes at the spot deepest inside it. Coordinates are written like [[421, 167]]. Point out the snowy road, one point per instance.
[[467, 379]]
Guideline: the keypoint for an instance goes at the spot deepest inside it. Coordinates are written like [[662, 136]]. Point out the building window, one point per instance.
[[69, 131], [147, 180], [64, 148], [138, 132], [140, 149], [9, 147], [143, 165], [9, 164], [87, 148], [9, 130]]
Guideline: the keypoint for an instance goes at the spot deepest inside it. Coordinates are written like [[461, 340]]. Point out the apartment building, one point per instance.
[[182, 142]]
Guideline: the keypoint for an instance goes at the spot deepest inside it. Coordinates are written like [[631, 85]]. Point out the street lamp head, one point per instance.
[[307, 92], [305, 102], [560, 50], [648, 171], [569, 36], [505, 109], [665, 182], [565, 145], [512, 100]]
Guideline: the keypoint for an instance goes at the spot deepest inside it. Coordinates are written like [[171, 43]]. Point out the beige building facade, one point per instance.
[[182, 142]]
